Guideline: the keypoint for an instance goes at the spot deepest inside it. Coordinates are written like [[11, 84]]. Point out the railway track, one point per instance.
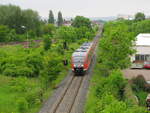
[[66, 102], [71, 94]]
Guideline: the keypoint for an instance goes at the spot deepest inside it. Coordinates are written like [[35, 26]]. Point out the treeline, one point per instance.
[[20, 25], [15, 18], [15, 22]]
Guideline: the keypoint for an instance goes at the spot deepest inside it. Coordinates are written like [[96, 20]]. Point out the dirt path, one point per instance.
[[130, 73]]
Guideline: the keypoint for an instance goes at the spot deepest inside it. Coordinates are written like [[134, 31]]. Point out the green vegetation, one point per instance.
[[109, 91], [107, 94], [139, 16], [13, 17], [141, 88], [28, 75], [47, 43], [115, 46], [81, 21], [51, 19], [60, 19]]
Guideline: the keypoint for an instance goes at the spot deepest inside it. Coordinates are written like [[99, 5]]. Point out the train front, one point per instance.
[[78, 63]]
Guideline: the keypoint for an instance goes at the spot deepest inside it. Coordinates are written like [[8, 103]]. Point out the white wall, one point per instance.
[[142, 49]]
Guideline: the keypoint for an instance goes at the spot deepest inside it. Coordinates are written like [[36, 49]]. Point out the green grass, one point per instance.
[[129, 95], [141, 95], [92, 99], [8, 97]]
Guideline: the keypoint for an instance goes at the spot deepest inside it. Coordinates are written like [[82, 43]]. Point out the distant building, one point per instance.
[[142, 47], [67, 23], [96, 22], [126, 17]]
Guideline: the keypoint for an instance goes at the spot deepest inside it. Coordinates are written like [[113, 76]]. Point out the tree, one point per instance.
[[116, 46], [12, 35], [67, 34], [14, 17], [51, 19], [141, 27], [81, 21], [60, 19], [49, 29], [139, 16], [83, 32]]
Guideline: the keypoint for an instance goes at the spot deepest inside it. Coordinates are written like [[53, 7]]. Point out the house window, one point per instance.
[[142, 57], [139, 57]]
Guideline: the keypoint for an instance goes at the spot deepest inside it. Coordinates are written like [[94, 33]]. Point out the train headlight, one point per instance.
[[74, 65], [82, 65]]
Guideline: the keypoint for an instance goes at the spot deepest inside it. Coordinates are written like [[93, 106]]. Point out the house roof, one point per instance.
[[143, 39]]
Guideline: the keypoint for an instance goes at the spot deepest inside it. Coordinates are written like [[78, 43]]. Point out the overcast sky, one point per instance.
[[88, 8]]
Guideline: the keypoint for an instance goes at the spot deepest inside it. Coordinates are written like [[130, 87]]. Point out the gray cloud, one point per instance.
[[89, 8]]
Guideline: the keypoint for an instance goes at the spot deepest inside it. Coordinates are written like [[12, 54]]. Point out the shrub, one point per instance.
[[141, 97], [20, 84], [47, 43], [34, 97], [114, 84], [138, 83], [34, 61], [10, 70], [22, 105], [4, 31], [147, 87], [18, 71], [54, 67], [44, 79]]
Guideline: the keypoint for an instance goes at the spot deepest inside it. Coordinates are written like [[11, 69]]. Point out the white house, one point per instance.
[[142, 47]]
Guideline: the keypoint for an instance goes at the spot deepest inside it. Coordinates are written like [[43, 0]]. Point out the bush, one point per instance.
[[22, 105], [34, 61], [54, 67], [20, 84], [4, 31], [141, 97], [141, 88], [138, 83], [147, 87], [114, 84], [18, 71], [34, 97], [47, 43]]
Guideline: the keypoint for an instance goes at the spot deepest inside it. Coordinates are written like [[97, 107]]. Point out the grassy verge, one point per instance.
[[9, 95]]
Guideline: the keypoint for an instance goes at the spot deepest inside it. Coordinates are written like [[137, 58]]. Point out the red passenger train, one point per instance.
[[82, 57]]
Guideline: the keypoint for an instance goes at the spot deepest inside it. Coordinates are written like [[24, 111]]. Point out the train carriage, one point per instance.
[[81, 58]]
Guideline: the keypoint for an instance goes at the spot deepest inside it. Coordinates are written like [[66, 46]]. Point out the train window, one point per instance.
[[78, 59]]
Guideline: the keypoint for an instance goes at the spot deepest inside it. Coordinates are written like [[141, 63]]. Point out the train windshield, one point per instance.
[[78, 59]]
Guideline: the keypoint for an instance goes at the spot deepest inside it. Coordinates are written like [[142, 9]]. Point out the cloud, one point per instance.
[[89, 8]]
